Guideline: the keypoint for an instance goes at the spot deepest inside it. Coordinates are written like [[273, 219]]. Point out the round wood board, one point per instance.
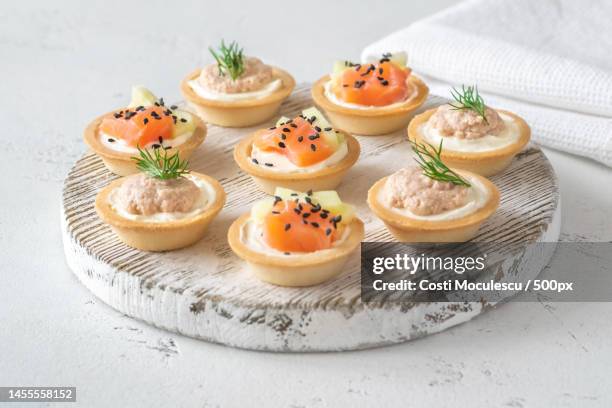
[[205, 292]]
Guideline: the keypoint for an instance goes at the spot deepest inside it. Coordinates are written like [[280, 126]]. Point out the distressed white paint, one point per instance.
[[205, 292]]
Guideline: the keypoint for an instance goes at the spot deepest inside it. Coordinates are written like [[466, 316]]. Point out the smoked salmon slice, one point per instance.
[[377, 84], [140, 126], [297, 139], [300, 226]]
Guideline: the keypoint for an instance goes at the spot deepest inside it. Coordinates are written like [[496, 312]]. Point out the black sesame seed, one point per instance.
[[287, 253], [110, 139], [300, 207], [286, 129], [173, 107], [315, 224], [308, 200], [294, 194], [283, 136], [161, 140], [289, 121], [312, 119], [305, 215], [145, 121], [318, 129], [297, 211], [269, 164], [293, 125], [183, 120], [276, 198], [323, 214], [275, 212], [384, 82], [328, 231], [117, 115], [281, 145], [313, 147], [254, 161], [345, 85], [272, 128], [287, 226], [309, 192], [156, 146], [314, 137], [327, 129], [304, 222], [337, 218], [167, 147], [380, 70], [300, 139]]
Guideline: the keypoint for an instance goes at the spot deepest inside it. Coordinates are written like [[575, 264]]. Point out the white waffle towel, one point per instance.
[[550, 61]]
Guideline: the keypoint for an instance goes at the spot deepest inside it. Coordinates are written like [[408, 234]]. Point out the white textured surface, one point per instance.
[[60, 68], [541, 59]]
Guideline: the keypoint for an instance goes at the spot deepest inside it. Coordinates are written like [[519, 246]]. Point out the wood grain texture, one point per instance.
[[205, 292]]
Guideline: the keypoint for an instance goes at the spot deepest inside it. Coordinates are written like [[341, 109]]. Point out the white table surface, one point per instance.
[[61, 66]]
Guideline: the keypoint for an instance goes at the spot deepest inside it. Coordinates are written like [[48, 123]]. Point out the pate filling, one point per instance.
[[256, 82], [143, 198], [411, 194], [477, 138]]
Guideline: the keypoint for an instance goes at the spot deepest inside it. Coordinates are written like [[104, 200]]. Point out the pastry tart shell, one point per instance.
[[159, 236], [241, 113], [121, 163], [486, 163], [373, 121], [406, 229], [327, 178], [297, 269]]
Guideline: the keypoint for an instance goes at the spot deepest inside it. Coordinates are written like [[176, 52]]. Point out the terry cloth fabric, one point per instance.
[[550, 61]]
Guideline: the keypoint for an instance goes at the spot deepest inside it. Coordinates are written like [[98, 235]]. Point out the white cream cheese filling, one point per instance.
[[120, 145], [329, 94], [508, 136], [218, 96], [206, 198], [478, 196], [280, 163], [251, 235]]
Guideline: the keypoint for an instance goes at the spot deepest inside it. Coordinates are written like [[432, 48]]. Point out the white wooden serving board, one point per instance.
[[205, 291]]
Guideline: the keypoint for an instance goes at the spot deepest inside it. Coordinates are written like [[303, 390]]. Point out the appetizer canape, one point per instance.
[[432, 203], [476, 137], [297, 239], [146, 123], [163, 208], [236, 90], [370, 98], [303, 153]]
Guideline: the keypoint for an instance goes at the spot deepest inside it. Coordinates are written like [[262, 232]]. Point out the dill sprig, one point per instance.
[[230, 59], [429, 160], [469, 98], [160, 165]]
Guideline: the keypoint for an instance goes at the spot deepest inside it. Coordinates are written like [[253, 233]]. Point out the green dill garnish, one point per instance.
[[469, 98], [160, 165], [431, 163], [230, 60]]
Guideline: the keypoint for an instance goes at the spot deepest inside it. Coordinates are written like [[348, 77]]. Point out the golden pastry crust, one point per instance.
[[159, 236], [406, 229], [374, 121], [296, 269], [325, 179], [240, 113], [121, 163], [484, 163]]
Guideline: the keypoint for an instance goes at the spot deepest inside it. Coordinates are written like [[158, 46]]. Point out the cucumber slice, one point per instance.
[[282, 120], [330, 136], [141, 96], [400, 59], [182, 127], [262, 208], [340, 66]]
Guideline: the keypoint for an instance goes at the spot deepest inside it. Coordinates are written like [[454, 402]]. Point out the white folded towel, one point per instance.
[[549, 61]]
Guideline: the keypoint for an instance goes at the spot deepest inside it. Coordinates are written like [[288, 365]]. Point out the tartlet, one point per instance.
[[432, 203], [119, 161], [296, 268], [237, 113], [372, 120], [184, 202], [487, 162], [325, 178]]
